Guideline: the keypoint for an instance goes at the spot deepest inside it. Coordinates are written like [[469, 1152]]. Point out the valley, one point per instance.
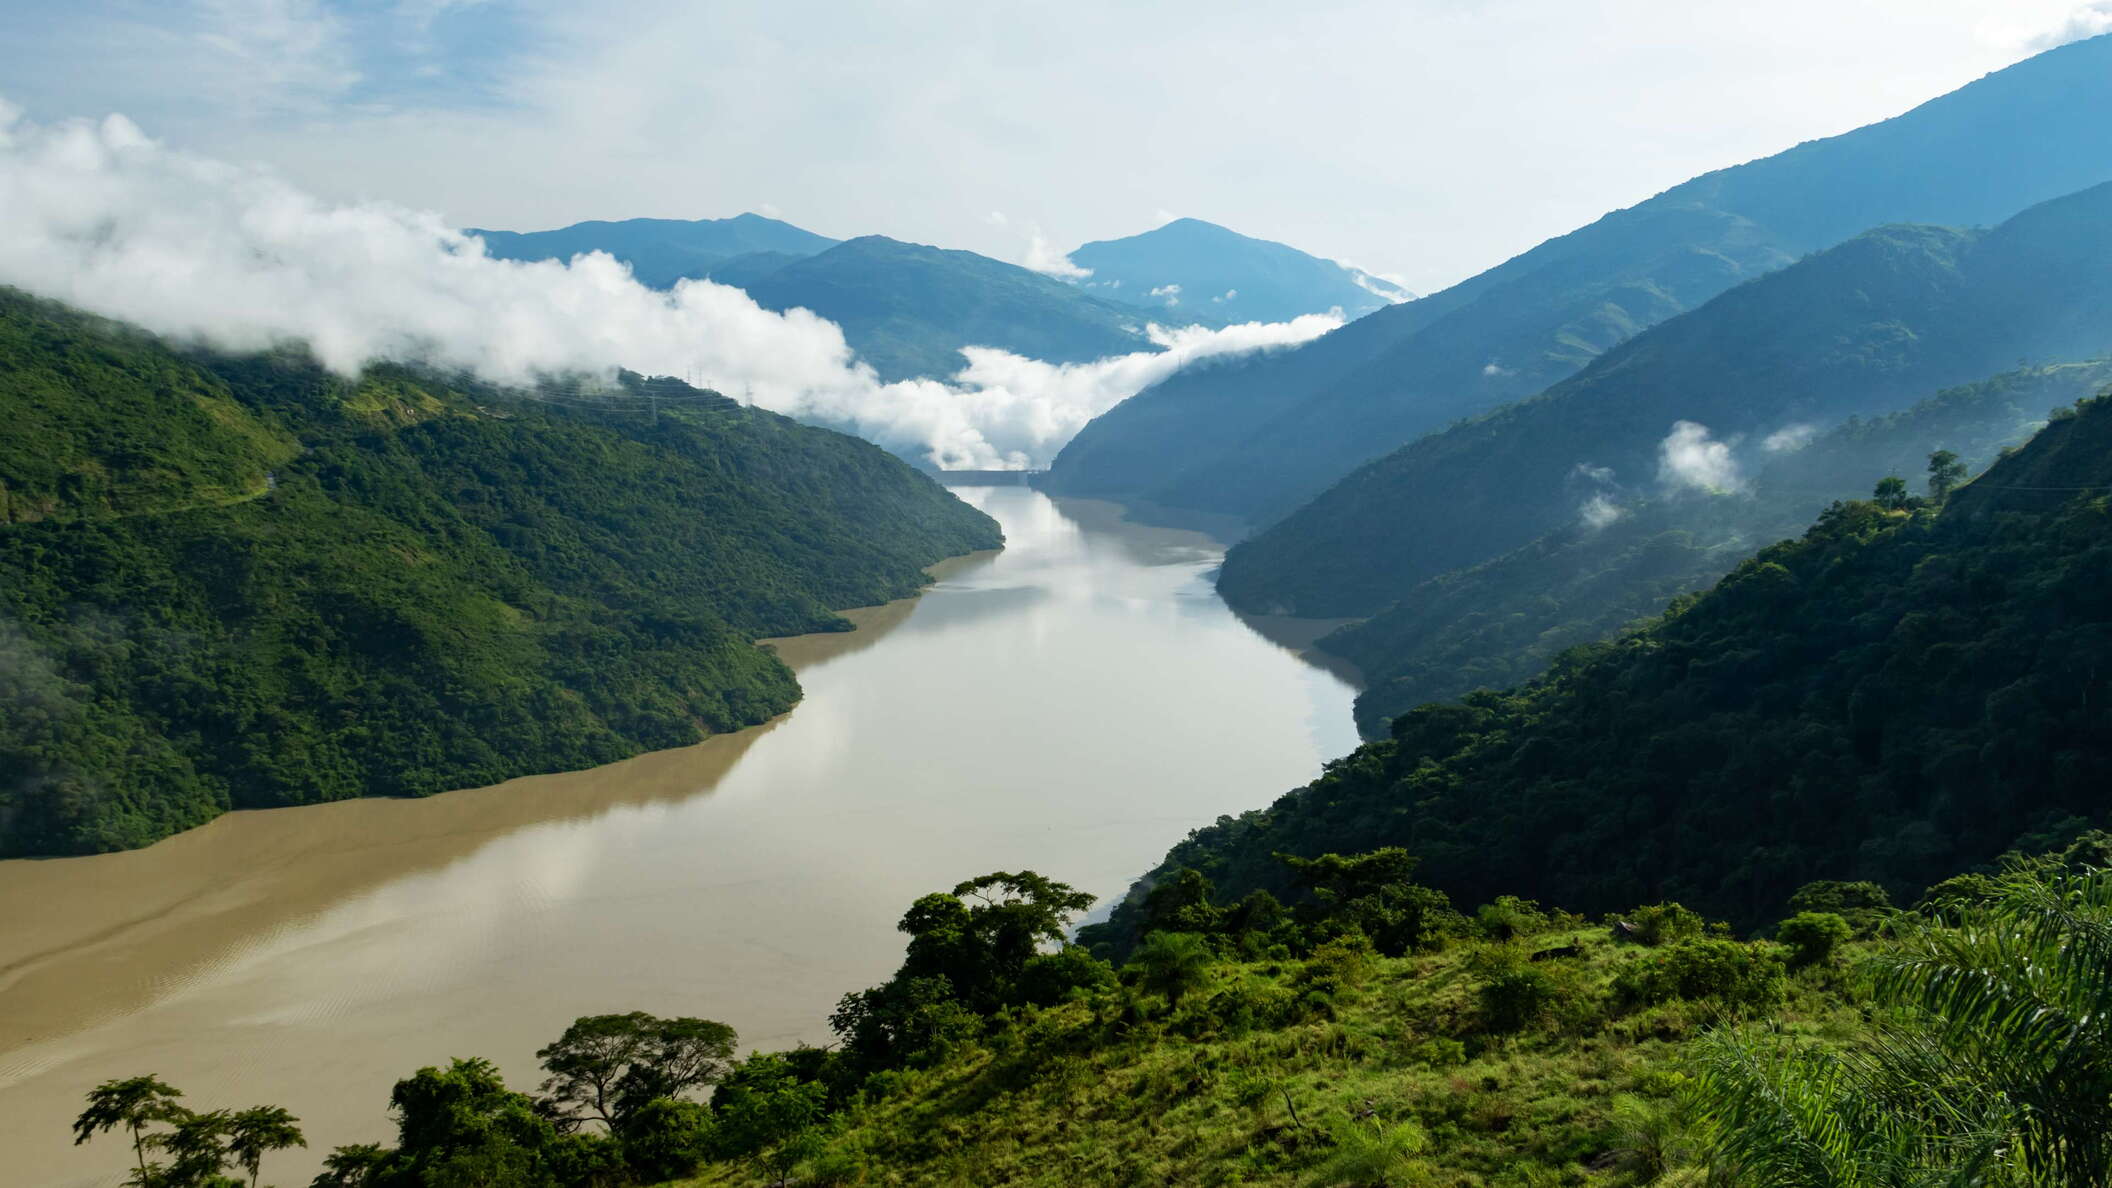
[[314, 955]]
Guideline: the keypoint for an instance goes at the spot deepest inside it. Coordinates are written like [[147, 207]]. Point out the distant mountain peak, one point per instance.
[[1195, 270]]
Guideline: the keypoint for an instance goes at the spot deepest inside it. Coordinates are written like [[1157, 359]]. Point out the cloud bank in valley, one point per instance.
[[102, 217]]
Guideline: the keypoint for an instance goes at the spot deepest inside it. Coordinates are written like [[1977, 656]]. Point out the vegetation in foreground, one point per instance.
[[1368, 1035]]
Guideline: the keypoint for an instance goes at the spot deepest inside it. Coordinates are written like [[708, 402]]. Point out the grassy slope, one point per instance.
[[422, 585], [1119, 1090]]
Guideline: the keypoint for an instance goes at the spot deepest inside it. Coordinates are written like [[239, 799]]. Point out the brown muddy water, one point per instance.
[[1074, 704]]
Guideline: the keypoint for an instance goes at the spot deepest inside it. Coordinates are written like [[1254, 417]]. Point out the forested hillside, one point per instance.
[[1863, 328], [1258, 438], [1905, 690], [1499, 623], [241, 582]]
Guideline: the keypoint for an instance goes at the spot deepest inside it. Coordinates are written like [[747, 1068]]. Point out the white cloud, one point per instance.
[[1165, 291], [1385, 288], [1044, 258], [1600, 511], [1688, 459], [2091, 20], [1590, 473], [277, 53], [1789, 439], [1493, 369], [100, 216]]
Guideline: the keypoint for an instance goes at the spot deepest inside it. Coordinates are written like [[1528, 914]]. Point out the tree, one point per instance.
[[461, 1125], [768, 1115], [1945, 473], [980, 936], [1891, 493], [1180, 903], [1813, 936], [610, 1065], [258, 1129], [1375, 893], [1172, 964], [197, 1148], [133, 1103], [353, 1166]]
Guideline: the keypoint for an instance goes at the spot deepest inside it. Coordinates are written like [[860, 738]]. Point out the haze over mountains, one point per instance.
[[1721, 575], [1257, 439], [1863, 328], [910, 309]]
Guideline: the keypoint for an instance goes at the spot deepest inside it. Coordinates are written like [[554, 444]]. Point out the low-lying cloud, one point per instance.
[[98, 215], [1600, 511], [1689, 459], [1789, 439]]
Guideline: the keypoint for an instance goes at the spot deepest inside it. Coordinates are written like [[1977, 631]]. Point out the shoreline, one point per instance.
[[192, 917]]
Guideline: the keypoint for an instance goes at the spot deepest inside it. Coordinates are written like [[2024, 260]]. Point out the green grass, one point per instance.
[[1344, 1069]]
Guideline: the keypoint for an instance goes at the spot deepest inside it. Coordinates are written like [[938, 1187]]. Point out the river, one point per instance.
[[1074, 704]]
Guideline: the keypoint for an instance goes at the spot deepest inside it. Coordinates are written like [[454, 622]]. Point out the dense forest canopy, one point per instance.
[[234, 582], [1500, 623], [1909, 688]]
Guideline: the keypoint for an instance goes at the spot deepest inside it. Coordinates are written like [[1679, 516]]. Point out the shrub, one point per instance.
[[1657, 924], [1509, 917], [666, 1139], [1049, 978], [1812, 937], [1513, 993], [1739, 975]]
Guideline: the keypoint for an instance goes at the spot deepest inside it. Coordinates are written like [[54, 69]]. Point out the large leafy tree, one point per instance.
[[606, 1067]]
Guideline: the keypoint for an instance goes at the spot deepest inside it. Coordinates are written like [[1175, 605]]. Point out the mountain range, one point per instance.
[[1256, 438], [908, 309], [1863, 328]]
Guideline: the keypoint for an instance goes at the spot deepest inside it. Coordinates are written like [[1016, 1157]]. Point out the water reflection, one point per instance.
[[1074, 704]]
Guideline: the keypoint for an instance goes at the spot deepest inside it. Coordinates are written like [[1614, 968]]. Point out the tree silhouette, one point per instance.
[[1945, 473], [130, 1102], [258, 1129]]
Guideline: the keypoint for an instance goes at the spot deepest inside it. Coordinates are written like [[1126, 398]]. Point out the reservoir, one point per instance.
[[1074, 705]]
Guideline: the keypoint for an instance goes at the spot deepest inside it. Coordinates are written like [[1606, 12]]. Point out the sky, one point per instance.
[[1423, 140]]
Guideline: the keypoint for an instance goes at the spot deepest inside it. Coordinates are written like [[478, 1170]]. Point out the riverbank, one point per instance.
[[309, 957]]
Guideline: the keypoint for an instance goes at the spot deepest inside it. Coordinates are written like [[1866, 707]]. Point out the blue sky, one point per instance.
[[1424, 139]]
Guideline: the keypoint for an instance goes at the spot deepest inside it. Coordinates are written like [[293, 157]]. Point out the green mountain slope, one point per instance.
[[241, 582], [908, 309], [1257, 439], [660, 251], [1897, 694], [1499, 623], [1861, 328], [1192, 270]]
